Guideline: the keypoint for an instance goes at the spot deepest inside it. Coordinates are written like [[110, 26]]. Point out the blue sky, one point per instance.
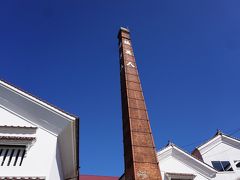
[[187, 53]]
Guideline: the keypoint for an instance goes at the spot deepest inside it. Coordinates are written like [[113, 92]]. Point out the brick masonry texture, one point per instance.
[[139, 149]]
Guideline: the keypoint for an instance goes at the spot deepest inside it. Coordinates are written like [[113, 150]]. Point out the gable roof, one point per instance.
[[172, 150], [48, 117], [218, 138], [37, 99], [33, 109]]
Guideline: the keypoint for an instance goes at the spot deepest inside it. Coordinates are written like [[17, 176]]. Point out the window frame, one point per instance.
[[14, 149], [224, 168], [237, 162]]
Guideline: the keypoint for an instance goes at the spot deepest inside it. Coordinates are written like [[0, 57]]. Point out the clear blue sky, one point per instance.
[[188, 55]]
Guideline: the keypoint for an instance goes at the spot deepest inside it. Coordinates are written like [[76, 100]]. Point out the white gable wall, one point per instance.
[[8, 118], [173, 160], [54, 126], [221, 152], [173, 165], [224, 152], [32, 109], [41, 158], [56, 171]]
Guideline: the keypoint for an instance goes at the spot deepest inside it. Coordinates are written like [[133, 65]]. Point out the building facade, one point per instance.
[[37, 140], [217, 159]]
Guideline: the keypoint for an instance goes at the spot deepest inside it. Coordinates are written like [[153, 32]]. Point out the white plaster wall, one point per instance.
[[56, 171], [38, 159], [227, 176], [224, 152], [8, 118], [41, 159], [173, 165], [29, 111]]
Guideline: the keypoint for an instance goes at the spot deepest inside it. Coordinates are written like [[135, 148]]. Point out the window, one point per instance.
[[222, 165], [12, 155], [237, 163], [13, 149]]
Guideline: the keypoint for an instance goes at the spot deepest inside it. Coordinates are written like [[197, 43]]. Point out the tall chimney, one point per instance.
[[139, 150]]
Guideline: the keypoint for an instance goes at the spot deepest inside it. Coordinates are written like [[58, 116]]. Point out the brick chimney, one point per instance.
[[139, 150]]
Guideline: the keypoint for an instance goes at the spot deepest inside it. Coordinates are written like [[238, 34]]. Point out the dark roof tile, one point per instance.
[[17, 138]]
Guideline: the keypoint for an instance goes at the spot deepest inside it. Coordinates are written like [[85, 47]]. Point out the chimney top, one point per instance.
[[124, 32], [124, 29]]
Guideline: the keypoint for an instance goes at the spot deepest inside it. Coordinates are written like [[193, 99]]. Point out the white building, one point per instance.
[[217, 159], [37, 140]]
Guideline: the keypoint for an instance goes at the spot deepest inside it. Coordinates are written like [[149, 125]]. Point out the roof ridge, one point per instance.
[[218, 133], [174, 145], [37, 98]]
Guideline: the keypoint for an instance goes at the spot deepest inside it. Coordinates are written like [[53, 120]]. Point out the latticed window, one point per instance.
[[12, 155], [13, 149]]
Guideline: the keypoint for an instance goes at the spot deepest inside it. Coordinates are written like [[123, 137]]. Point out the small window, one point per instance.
[[237, 163], [12, 155], [222, 165], [226, 166]]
